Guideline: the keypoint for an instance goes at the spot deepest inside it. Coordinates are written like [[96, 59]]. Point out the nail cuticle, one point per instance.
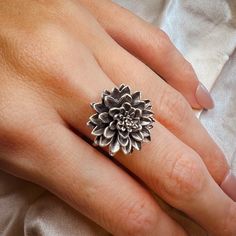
[[228, 185], [203, 97]]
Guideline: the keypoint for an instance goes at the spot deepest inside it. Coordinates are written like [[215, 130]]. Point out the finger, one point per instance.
[[169, 106], [36, 145], [153, 47], [177, 174], [85, 179], [171, 109]]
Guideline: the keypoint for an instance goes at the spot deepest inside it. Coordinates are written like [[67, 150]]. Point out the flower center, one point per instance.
[[126, 123]]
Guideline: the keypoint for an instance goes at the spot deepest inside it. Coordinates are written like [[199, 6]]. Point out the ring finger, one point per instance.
[[43, 150], [177, 174]]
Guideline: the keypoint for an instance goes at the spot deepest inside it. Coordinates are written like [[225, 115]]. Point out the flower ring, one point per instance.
[[122, 120]]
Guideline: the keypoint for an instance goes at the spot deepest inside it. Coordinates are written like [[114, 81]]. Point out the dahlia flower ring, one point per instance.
[[122, 120]]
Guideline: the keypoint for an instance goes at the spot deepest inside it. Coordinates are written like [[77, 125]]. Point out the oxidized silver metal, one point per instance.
[[122, 120]]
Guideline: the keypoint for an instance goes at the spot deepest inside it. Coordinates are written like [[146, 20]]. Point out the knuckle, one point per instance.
[[163, 35], [173, 109], [34, 53], [11, 133], [19, 129], [139, 219], [183, 177], [187, 69], [156, 40], [46, 55], [19, 135], [163, 42], [218, 164], [15, 139], [229, 222]]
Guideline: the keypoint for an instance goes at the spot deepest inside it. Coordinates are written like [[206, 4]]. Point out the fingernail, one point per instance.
[[229, 185], [203, 97]]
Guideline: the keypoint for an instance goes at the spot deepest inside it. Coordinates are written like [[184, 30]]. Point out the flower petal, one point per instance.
[[121, 87], [140, 105], [147, 113], [136, 96], [115, 93], [149, 126], [108, 133], [98, 130], [126, 106], [145, 132], [138, 128], [147, 103], [104, 141], [128, 148], [106, 92], [124, 134], [152, 118], [104, 117], [132, 111], [147, 139], [138, 136], [122, 110], [123, 141], [94, 119], [114, 110], [138, 113], [99, 107], [145, 121], [136, 144], [91, 124], [125, 98], [96, 141], [125, 90], [114, 146], [112, 125], [110, 102]]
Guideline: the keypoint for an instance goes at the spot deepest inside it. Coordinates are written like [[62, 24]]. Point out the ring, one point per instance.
[[122, 120]]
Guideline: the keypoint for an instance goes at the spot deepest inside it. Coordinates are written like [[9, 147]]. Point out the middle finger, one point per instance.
[[170, 107], [168, 166]]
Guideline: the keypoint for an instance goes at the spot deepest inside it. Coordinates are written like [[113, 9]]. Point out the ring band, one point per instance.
[[122, 120]]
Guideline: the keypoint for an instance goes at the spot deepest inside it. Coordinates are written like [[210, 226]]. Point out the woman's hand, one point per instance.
[[55, 59]]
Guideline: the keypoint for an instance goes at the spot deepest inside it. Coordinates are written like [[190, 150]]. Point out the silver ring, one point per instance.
[[122, 120]]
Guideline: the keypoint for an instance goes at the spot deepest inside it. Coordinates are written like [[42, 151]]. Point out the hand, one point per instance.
[[55, 60]]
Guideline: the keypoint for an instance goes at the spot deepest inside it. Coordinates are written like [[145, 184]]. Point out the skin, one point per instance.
[[58, 56]]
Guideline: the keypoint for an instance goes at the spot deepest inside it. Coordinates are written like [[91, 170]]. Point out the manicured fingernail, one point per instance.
[[229, 185], [203, 97]]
